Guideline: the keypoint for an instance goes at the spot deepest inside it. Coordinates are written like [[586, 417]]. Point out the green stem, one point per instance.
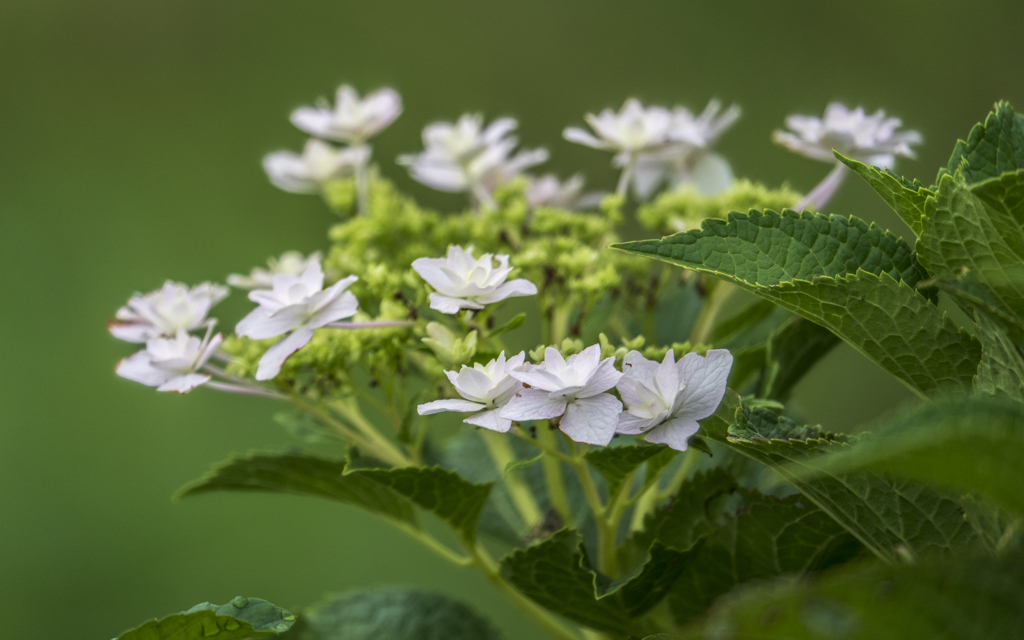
[[652, 496], [606, 557], [338, 427], [435, 545], [381, 446], [553, 473], [717, 296], [522, 497], [560, 323], [679, 477]]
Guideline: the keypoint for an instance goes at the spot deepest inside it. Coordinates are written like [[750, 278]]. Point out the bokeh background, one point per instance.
[[130, 141]]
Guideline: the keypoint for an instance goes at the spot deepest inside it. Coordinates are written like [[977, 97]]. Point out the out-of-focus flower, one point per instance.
[[163, 312], [352, 119], [574, 389], [449, 348], [666, 400], [465, 282], [486, 389], [295, 308], [548, 191], [171, 364], [633, 129], [872, 139], [318, 163], [467, 157], [290, 263]]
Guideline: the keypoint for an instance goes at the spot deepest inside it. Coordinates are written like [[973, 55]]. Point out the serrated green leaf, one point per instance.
[[647, 585], [441, 492], [992, 148], [851, 278], [616, 463], [971, 445], [885, 513], [1001, 371], [792, 351], [906, 198], [303, 474], [971, 599], [240, 619], [391, 614]]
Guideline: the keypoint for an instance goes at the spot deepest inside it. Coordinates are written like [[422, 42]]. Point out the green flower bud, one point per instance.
[[450, 349]]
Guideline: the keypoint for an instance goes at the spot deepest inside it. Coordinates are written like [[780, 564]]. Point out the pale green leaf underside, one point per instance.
[[907, 200], [240, 619]]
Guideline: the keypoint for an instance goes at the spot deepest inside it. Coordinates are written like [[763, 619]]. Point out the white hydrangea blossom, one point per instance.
[[465, 156], [352, 119], [666, 400], [872, 139], [318, 163], [575, 389], [171, 364], [633, 129], [163, 312], [464, 282], [486, 389], [295, 307], [290, 263]]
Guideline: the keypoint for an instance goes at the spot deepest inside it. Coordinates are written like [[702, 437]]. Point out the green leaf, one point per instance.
[[240, 619], [516, 320], [388, 614], [1001, 372], [733, 536], [746, 318], [907, 199], [792, 351], [851, 278], [886, 514], [303, 474], [971, 445], [616, 463], [747, 361], [970, 599], [992, 148], [441, 492]]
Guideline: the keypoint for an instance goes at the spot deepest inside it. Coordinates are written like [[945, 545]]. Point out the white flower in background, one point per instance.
[[633, 129], [486, 389], [171, 364], [574, 389], [548, 191], [687, 158], [290, 263], [467, 157], [464, 282], [318, 163], [352, 119], [296, 306], [163, 312], [871, 139], [666, 400]]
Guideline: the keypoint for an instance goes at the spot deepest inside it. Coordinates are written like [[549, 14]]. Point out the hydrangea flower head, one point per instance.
[[464, 282], [548, 191], [163, 312], [872, 139], [666, 400], [352, 119], [633, 129], [290, 263], [318, 163], [171, 364], [575, 389], [486, 389]]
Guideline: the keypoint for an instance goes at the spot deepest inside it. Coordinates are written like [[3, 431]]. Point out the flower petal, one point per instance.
[[490, 420], [592, 420], [260, 325], [270, 363], [438, 406], [136, 332], [533, 404], [579, 136], [138, 367], [631, 424], [510, 289], [675, 432], [606, 377], [185, 383], [705, 379], [450, 305]]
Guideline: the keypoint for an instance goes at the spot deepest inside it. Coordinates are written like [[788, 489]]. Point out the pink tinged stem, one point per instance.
[[380, 324], [821, 194], [244, 390]]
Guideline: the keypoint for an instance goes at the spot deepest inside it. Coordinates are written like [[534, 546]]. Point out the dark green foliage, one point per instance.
[[239, 619]]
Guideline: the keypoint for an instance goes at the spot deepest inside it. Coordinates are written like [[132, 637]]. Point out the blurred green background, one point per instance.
[[130, 141]]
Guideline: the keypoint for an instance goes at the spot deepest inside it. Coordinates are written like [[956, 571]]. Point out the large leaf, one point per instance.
[[391, 614], [971, 445], [971, 599], [734, 535], [851, 278], [888, 515], [906, 198], [616, 463], [240, 619], [1001, 372], [992, 148], [791, 352]]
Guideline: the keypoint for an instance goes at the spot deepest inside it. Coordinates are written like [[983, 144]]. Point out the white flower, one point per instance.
[[170, 364], [165, 311], [297, 305], [666, 400], [486, 389], [549, 191], [466, 157], [352, 120], [687, 158], [318, 163], [633, 129], [291, 263], [465, 282], [574, 389], [870, 139]]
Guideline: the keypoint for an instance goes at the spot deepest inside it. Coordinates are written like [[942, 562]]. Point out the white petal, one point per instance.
[[138, 367], [430, 269], [712, 174], [437, 406], [136, 332], [603, 379], [705, 379], [592, 420], [675, 432], [634, 367], [344, 306], [260, 325], [490, 420], [631, 424], [185, 383], [449, 305], [579, 136], [511, 289], [533, 404], [540, 378], [270, 363]]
